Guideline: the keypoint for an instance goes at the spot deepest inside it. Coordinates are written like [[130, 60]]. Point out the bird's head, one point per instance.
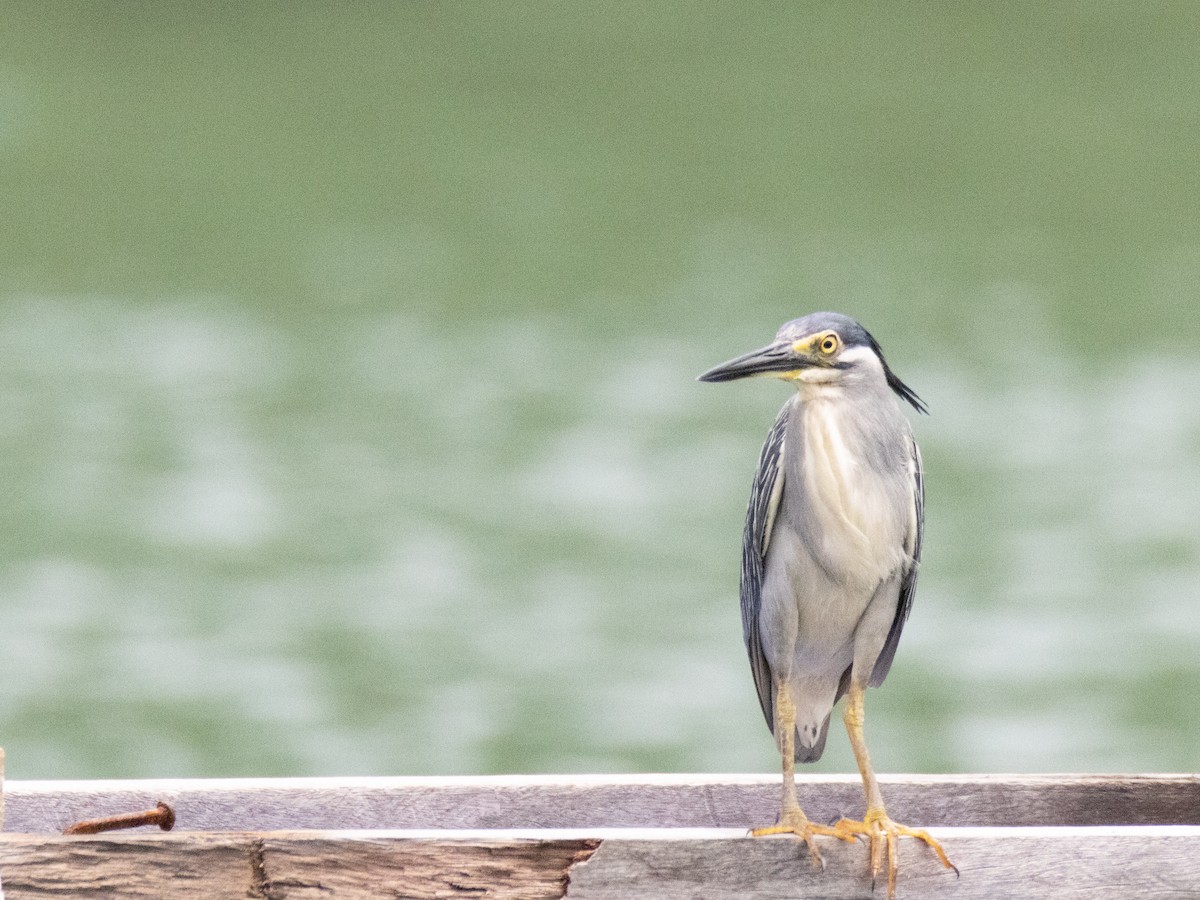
[[820, 348]]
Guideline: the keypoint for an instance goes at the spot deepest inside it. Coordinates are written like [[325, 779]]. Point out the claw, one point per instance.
[[795, 822], [882, 832]]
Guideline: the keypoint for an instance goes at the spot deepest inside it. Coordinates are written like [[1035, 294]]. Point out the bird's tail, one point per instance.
[[810, 741], [815, 698]]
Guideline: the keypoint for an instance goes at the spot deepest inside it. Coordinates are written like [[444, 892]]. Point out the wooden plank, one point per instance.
[[1027, 863], [295, 866], [716, 864], [684, 801], [319, 867], [129, 866]]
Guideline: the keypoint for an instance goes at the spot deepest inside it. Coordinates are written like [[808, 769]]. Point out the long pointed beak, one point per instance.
[[774, 358]]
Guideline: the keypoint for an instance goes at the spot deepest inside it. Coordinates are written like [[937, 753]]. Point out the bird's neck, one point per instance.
[[842, 482]]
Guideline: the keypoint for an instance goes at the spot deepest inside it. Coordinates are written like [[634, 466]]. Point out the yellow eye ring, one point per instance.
[[829, 344]]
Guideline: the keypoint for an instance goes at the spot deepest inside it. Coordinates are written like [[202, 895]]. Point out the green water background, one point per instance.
[[347, 412]]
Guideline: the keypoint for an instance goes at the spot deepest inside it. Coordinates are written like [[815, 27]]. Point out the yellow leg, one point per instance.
[[791, 817], [880, 830]]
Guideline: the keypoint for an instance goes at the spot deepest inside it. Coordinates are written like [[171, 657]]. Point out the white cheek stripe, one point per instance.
[[858, 355]]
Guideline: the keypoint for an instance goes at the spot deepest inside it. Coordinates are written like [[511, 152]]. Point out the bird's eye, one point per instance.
[[829, 344]]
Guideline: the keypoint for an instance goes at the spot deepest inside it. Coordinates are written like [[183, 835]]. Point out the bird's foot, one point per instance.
[[793, 821], [882, 833]]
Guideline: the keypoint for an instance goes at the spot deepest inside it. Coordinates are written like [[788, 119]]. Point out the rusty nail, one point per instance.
[[162, 816]]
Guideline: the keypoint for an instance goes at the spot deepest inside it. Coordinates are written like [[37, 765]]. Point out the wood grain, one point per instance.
[[598, 837], [129, 866], [714, 864], [293, 866], [302, 868], [682, 801], [1027, 863]]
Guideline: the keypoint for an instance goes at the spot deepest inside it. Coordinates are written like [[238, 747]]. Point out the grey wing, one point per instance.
[[908, 584], [760, 520]]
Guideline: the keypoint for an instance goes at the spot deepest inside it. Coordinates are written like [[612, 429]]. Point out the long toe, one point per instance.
[[883, 833], [802, 828]]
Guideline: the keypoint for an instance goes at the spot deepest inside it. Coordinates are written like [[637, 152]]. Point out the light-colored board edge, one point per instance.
[[736, 801]]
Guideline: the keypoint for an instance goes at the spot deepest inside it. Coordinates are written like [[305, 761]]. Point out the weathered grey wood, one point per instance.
[[586, 835], [714, 864], [738, 801], [1027, 863]]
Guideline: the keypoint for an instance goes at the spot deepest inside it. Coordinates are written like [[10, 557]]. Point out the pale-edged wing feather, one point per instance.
[[908, 584], [760, 521]]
